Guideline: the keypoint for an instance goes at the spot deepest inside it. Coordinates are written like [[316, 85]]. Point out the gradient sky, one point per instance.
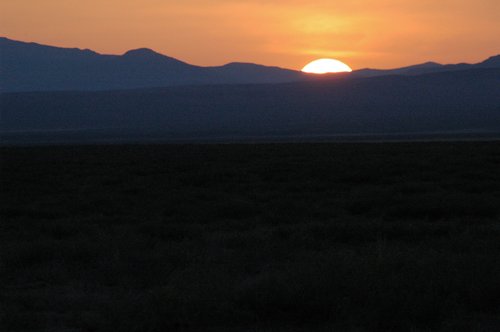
[[286, 33]]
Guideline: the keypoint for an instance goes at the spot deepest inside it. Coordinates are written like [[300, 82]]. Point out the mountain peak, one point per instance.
[[429, 64], [148, 55], [240, 64], [141, 52]]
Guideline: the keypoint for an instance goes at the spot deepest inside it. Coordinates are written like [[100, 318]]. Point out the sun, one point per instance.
[[324, 66]]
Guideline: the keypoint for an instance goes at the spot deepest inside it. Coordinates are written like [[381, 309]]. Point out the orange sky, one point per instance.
[[286, 33]]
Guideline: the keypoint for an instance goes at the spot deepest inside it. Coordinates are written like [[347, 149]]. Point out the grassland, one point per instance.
[[277, 237]]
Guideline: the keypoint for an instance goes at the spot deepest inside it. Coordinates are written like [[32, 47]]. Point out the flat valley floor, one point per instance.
[[242, 237]]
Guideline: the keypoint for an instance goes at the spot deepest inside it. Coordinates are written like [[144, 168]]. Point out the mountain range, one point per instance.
[[35, 67], [428, 67], [56, 95]]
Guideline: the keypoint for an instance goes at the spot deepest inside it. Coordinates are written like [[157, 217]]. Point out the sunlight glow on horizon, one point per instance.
[[324, 66]]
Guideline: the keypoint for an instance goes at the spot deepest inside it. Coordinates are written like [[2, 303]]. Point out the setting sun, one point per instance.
[[324, 66]]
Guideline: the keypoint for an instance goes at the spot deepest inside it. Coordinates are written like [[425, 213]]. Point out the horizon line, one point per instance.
[[228, 63]]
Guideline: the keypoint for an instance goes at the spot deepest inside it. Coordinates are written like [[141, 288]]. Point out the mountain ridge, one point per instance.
[[29, 66], [442, 102]]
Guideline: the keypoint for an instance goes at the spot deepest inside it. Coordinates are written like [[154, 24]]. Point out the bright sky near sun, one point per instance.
[[286, 33]]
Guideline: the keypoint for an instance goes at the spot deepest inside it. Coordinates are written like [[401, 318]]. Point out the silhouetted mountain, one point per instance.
[[248, 72], [147, 54], [426, 68], [429, 97], [464, 101], [34, 67], [491, 62], [423, 68]]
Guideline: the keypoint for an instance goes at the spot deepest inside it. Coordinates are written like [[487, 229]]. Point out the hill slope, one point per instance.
[[464, 101], [428, 67], [34, 67]]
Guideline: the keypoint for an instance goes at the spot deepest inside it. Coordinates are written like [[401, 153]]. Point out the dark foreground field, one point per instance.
[[291, 237]]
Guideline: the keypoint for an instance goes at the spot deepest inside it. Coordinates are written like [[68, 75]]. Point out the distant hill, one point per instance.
[[428, 67], [35, 67], [465, 101], [79, 95], [492, 62]]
